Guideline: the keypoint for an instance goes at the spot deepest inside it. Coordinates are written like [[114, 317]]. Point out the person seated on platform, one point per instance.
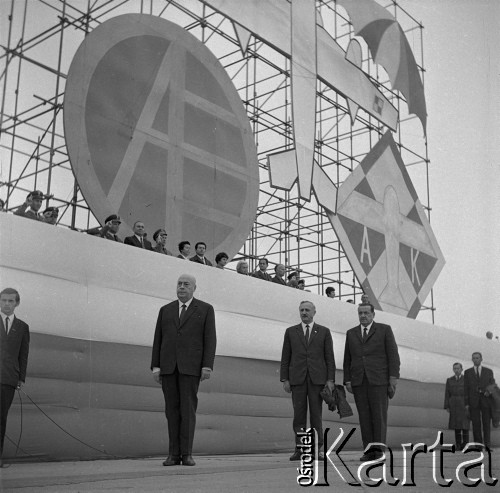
[[261, 273], [160, 238], [184, 249], [50, 215], [279, 270], [138, 239], [365, 300], [31, 206], [111, 227], [301, 284], [242, 267], [221, 260], [293, 280], [330, 292], [201, 248]]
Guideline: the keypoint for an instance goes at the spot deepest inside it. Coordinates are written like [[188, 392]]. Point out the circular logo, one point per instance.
[[157, 132]]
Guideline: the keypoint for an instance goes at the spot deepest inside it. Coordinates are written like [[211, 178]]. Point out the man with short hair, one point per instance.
[[307, 364], [111, 227], [371, 372], [200, 258], [279, 270], [31, 206], [184, 250], [14, 349], [477, 401], [261, 273], [330, 292], [138, 239], [182, 357]]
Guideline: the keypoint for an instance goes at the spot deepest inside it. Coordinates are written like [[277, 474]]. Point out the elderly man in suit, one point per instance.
[[14, 348], [279, 278], [307, 364], [371, 372], [183, 356], [138, 239], [477, 402]]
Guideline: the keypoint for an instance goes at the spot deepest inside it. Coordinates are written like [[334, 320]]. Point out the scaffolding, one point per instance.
[[39, 39]]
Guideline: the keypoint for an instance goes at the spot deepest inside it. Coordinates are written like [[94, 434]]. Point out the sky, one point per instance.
[[462, 87]]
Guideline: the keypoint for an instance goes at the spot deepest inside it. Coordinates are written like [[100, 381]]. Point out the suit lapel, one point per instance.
[[314, 331], [373, 328], [300, 333], [357, 332]]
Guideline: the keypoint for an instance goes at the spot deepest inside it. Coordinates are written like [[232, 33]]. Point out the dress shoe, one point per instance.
[[187, 460], [172, 460], [296, 455], [366, 457]]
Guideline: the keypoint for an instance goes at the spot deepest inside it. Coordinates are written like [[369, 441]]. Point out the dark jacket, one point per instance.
[[474, 388], [454, 401], [317, 357], [132, 240], [14, 349], [262, 275], [191, 345], [377, 357], [197, 259], [279, 280]]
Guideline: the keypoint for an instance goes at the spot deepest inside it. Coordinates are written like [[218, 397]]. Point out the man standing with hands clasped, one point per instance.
[[307, 363], [183, 356], [371, 372]]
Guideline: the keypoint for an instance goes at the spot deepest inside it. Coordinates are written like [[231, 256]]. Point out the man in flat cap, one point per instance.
[[110, 229], [31, 206]]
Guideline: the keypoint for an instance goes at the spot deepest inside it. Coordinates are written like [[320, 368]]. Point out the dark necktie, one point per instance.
[[477, 373], [183, 312], [365, 333], [307, 335], [7, 325], [142, 242]]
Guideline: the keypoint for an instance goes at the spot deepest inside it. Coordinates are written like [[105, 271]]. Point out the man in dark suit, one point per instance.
[[261, 273], [477, 401], [200, 258], [138, 239], [183, 356], [279, 278], [307, 364], [14, 348], [371, 371]]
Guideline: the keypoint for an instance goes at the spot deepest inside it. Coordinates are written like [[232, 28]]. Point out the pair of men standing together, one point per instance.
[[184, 352], [371, 371]]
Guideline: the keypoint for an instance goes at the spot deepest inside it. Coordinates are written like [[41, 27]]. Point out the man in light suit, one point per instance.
[[183, 356], [14, 348], [307, 364], [138, 239], [371, 372], [477, 401]]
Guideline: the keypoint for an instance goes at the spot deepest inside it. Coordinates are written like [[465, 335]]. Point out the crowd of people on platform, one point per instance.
[[33, 204]]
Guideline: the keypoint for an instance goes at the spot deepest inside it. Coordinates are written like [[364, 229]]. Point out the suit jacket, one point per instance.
[[158, 248], [132, 240], [378, 357], [279, 280], [197, 259], [262, 275], [317, 357], [29, 213], [14, 349], [474, 388], [191, 345]]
